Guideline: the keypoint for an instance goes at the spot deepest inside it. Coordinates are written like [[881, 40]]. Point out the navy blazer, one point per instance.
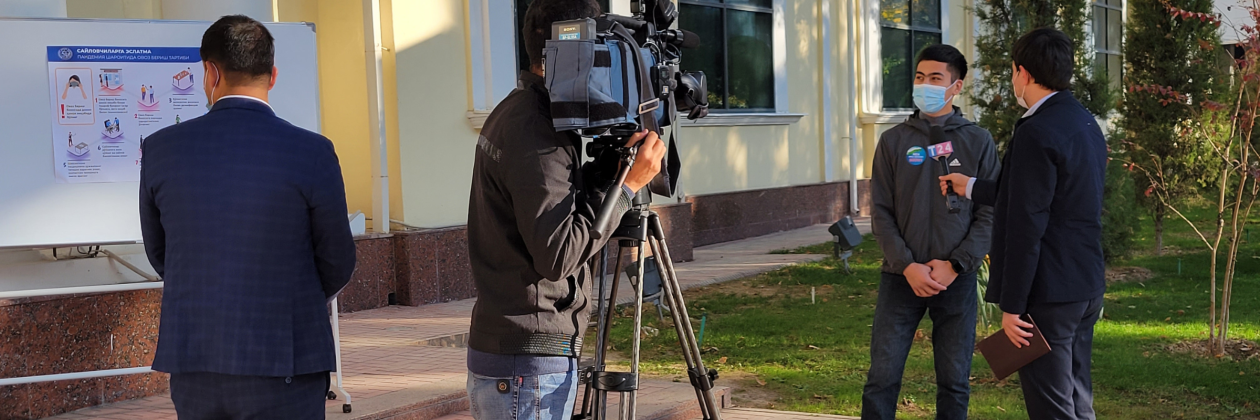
[[244, 217], [1047, 235]]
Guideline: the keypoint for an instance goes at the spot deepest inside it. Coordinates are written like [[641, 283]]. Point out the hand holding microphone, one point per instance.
[[955, 183], [941, 151]]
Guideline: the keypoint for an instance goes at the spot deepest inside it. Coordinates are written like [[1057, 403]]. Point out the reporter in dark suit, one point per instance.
[[1047, 240], [244, 216]]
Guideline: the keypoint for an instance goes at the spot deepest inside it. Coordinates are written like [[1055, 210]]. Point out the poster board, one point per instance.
[[43, 202]]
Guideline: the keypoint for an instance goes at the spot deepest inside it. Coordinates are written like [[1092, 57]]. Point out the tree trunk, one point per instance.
[[1228, 294], [1216, 248], [1159, 229]]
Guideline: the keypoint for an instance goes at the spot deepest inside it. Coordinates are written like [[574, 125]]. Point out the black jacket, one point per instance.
[[1047, 240], [529, 221], [910, 218]]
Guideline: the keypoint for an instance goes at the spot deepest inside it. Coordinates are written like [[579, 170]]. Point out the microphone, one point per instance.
[[941, 151], [682, 38], [628, 22]]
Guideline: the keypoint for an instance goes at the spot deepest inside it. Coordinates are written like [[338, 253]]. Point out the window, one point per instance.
[[1108, 33], [522, 55], [737, 53], [906, 27]]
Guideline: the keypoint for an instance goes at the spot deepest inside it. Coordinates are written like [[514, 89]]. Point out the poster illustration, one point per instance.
[[106, 100]]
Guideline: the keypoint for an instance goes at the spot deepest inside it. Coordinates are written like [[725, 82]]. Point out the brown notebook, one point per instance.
[[1004, 358]]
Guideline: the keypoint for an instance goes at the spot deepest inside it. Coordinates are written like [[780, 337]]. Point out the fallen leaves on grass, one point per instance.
[[1128, 274], [920, 336], [1235, 349]]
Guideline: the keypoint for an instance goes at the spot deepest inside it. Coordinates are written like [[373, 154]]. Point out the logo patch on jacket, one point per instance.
[[916, 155], [489, 149], [955, 163]]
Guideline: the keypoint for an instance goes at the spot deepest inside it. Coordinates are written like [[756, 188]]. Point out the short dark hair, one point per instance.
[[953, 59], [536, 29], [241, 47], [1049, 57]]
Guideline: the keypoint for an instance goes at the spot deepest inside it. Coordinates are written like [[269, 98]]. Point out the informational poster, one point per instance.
[[106, 100]]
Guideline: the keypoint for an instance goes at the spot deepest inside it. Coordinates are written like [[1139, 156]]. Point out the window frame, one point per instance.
[[1104, 66], [914, 30], [870, 90], [726, 58], [493, 63]]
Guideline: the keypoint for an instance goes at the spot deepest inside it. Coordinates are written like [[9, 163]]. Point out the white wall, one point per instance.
[[211, 10], [33, 8]]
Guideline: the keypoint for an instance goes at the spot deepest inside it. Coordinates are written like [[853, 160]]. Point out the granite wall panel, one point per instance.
[[374, 275], [432, 266], [718, 218], [50, 335]]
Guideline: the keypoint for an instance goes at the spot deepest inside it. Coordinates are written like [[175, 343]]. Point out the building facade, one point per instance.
[[800, 91]]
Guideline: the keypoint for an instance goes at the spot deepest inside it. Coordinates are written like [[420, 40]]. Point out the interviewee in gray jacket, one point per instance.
[[931, 251]]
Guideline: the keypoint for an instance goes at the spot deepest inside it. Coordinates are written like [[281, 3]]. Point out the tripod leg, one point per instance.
[[584, 410], [599, 409], [682, 323], [679, 322], [636, 342]]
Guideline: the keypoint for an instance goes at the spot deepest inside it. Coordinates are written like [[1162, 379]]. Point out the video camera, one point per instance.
[[612, 76]]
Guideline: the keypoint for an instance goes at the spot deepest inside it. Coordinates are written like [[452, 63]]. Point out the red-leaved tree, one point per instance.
[[1226, 128]]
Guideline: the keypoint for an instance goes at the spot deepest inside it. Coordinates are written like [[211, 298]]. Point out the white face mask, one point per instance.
[[210, 99], [1019, 97]]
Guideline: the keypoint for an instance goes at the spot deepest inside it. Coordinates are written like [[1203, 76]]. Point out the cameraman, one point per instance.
[[529, 220]]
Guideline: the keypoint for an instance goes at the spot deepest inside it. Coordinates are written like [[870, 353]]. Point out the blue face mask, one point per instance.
[[930, 98]]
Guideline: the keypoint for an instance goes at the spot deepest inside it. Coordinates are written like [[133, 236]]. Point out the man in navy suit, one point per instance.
[[244, 217], [1047, 240]]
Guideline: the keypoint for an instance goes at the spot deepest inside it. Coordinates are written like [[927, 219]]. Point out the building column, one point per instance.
[[260, 10], [33, 8]]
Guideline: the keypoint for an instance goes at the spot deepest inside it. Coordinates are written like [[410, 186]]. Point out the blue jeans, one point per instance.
[[897, 315], [543, 397]]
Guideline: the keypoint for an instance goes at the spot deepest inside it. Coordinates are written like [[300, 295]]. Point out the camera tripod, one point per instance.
[[640, 228]]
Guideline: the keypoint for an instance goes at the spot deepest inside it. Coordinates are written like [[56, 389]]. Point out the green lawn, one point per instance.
[[787, 353]]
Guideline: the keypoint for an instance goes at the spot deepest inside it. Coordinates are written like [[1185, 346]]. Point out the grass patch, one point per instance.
[[788, 353]]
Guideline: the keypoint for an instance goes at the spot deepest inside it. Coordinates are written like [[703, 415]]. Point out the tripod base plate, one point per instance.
[[615, 381]]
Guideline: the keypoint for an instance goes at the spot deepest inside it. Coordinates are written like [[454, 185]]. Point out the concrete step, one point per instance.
[[658, 400], [760, 414], [423, 402]]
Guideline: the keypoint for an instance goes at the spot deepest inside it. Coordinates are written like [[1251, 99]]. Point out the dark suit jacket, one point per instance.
[[1047, 236], [244, 217]]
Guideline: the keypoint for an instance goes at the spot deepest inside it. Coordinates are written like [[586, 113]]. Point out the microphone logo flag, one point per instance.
[[940, 149]]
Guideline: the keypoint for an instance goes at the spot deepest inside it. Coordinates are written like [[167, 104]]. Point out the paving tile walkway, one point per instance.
[[758, 414], [396, 356], [727, 414]]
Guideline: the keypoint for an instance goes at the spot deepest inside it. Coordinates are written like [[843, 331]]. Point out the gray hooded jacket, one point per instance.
[[910, 217]]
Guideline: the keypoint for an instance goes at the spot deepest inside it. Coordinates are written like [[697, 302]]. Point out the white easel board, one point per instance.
[[132, 72]]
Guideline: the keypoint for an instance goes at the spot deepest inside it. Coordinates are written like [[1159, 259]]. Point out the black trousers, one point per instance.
[[1057, 386], [214, 396]]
